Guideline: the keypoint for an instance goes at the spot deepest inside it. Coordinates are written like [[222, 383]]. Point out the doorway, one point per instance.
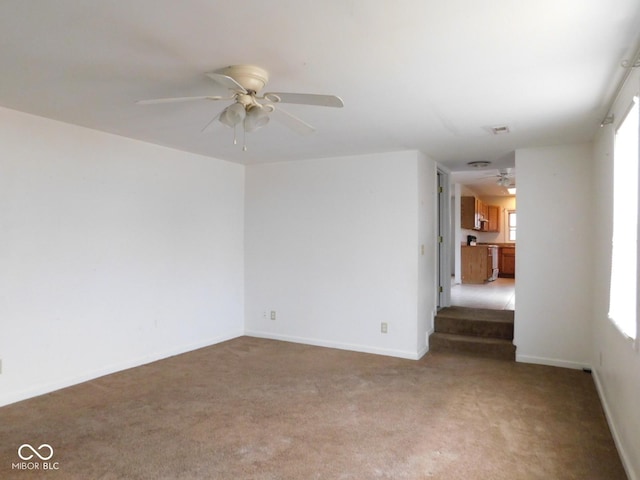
[[498, 294]]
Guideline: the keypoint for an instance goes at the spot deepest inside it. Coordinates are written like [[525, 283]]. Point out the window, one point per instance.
[[511, 225], [623, 288]]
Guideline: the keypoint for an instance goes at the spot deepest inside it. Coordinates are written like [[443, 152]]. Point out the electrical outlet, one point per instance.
[[264, 314], [383, 327], [273, 314]]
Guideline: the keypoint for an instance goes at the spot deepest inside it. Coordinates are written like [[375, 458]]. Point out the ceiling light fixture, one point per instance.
[[479, 164], [511, 190], [257, 117], [252, 116], [232, 115], [504, 182], [244, 83]]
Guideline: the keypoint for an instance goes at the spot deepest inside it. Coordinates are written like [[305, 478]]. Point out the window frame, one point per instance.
[[620, 246]]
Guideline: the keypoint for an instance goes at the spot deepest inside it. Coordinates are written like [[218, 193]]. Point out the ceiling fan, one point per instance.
[[251, 110], [504, 177]]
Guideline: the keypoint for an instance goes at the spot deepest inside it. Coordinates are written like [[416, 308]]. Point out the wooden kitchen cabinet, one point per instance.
[[507, 263], [493, 218], [479, 263], [476, 215], [469, 214]]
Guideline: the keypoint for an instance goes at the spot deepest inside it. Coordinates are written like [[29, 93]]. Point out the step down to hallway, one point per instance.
[[478, 331]]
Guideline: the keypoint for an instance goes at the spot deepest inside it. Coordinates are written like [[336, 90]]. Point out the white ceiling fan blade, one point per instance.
[[291, 121], [305, 99], [179, 99], [226, 81]]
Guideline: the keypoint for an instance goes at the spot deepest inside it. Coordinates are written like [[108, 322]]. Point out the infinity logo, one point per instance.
[[35, 452]]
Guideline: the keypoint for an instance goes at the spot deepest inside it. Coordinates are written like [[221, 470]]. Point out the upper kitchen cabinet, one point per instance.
[[493, 218], [475, 215], [470, 213]]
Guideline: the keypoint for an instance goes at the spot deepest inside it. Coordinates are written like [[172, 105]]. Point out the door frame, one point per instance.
[[443, 239]]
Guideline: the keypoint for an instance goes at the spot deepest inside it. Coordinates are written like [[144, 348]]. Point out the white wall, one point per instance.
[[554, 269], [332, 247], [616, 362], [113, 253]]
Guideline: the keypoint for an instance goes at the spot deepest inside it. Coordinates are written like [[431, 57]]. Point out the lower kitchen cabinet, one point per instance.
[[479, 263], [507, 264]]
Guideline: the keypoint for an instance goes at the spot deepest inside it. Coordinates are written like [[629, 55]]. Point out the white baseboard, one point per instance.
[[36, 390], [552, 362], [423, 351], [624, 456], [339, 345]]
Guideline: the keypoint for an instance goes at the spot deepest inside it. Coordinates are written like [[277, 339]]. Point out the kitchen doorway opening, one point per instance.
[[465, 282]]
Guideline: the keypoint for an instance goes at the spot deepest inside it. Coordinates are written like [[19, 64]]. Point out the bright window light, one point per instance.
[[623, 290], [511, 221]]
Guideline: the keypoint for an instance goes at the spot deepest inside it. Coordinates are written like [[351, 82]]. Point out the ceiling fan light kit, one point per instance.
[[245, 82], [257, 117], [232, 115], [504, 181], [479, 164]]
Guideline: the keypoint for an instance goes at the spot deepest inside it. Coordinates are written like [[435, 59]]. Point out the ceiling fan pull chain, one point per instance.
[[235, 141], [244, 139]]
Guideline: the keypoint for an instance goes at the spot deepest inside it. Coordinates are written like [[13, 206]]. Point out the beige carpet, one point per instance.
[[260, 409]]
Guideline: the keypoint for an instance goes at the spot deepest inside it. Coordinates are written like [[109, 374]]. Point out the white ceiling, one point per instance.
[[429, 75], [484, 182]]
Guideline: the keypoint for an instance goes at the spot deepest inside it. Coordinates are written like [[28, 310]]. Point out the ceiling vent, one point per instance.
[[500, 129]]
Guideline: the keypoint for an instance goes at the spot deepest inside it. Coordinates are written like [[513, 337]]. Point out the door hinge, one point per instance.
[[440, 239], [440, 189], [441, 289]]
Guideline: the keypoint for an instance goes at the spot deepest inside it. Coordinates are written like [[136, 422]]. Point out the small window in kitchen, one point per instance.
[[624, 277], [511, 225]]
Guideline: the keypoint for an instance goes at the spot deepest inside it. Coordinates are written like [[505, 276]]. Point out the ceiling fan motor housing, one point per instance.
[[251, 77]]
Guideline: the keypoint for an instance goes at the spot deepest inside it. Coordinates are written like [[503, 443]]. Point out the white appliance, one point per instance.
[[492, 250]]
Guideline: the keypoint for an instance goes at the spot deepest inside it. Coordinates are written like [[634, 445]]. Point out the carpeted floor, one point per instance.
[[261, 409]]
